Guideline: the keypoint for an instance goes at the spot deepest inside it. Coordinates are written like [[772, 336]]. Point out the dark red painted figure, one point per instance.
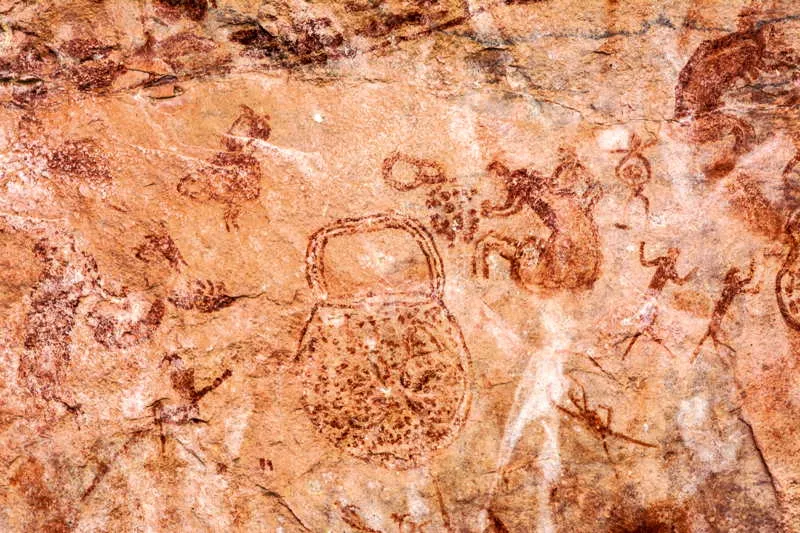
[[734, 284], [666, 271], [570, 257]]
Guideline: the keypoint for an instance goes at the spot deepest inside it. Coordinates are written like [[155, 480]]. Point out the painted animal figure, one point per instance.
[[570, 256], [231, 178], [714, 68], [719, 67], [228, 178], [591, 418]]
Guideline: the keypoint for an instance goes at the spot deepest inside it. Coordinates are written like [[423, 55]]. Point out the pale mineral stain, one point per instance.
[[236, 425], [617, 138], [541, 384], [134, 402], [417, 505], [463, 132], [700, 432]]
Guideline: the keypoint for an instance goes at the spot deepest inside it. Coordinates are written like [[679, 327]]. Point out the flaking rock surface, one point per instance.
[[399, 266]]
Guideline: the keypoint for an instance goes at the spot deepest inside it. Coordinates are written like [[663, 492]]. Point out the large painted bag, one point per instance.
[[385, 373]]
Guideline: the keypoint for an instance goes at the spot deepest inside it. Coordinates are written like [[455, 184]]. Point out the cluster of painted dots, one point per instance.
[[452, 212], [385, 388]]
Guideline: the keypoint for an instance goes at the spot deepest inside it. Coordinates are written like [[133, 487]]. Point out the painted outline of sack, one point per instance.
[[385, 378]]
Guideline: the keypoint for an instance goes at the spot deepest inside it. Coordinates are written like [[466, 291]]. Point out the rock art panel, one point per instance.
[[386, 375], [399, 266]]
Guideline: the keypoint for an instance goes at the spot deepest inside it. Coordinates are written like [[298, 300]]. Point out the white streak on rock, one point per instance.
[[235, 427], [540, 384], [616, 138]]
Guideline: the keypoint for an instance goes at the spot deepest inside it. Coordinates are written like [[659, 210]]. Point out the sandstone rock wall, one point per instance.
[[399, 266]]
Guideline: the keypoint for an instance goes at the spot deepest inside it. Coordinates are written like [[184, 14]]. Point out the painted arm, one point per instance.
[[754, 289], [751, 270], [208, 388], [687, 277], [750, 275], [510, 207], [642, 260], [592, 195]]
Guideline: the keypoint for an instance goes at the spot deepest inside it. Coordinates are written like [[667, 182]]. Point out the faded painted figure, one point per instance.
[[787, 281], [645, 319], [705, 96], [570, 257], [231, 178]]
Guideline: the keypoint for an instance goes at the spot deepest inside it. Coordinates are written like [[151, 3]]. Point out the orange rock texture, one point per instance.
[[400, 266]]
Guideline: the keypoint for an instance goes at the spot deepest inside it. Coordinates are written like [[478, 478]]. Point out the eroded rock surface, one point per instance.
[[400, 266]]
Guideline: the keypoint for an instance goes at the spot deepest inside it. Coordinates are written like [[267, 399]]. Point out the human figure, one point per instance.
[[570, 257], [635, 172], [183, 382], [666, 271], [184, 412], [734, 284]]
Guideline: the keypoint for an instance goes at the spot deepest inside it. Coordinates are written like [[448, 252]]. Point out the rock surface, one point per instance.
[[400, 266]]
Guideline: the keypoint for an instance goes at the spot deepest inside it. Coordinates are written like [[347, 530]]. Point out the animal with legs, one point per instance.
[[706, 92], [231, 178], [570, 256], [712, 71], [734, 284], [593, 420], [666, 271], [228, 178]]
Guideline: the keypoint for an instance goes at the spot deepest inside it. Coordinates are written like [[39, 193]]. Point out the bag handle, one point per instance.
[[315, 254]]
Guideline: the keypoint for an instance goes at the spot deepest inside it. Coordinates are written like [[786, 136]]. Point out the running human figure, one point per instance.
[[734, 284], [666, 271]]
